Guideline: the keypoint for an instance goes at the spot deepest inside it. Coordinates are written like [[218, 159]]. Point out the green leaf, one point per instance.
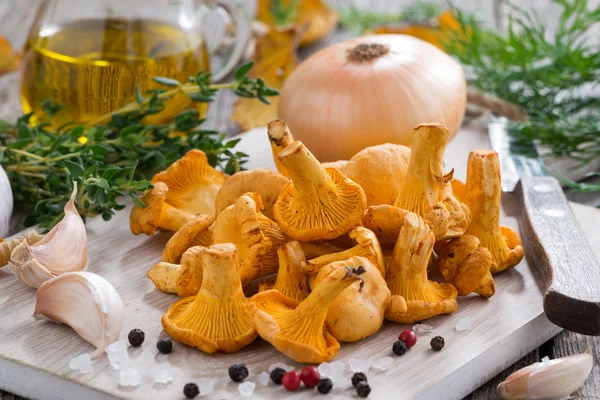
[[99, 149], [24, 131], [166, 81], [103, 183], [243, 70], [75, 170], [139, 98], [137, 202], [5, 126]]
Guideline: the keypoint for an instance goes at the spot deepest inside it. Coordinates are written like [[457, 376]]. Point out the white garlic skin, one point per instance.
[[87, 303], [553, 379]]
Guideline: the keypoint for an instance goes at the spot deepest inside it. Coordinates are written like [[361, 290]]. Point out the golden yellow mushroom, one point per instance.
[[380, 171], [256, 237], [426, 190], [196, 232], [366, 246], [319, 203], [266, 183], [385, 221], [358, 311], [483, 191], [193, 183], [289, 280], [164, 275], [280, 137], [298, 329], [218, 318], [339, 164], [466, 265], [414, 296], [158, 214]]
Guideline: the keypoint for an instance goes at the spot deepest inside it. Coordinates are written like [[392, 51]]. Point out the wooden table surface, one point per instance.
[[16, 16]]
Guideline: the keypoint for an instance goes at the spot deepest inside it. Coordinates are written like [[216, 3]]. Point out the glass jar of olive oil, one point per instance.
[[89, 56]]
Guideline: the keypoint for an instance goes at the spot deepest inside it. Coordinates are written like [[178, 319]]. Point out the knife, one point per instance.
[[553, 240]]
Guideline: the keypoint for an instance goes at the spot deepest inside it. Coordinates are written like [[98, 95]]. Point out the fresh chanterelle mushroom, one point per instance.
[[385, 221], [256, 236], [414, 296], [482, 195], [298, 329], [218, 318], [366, 246], [290, 280], [358, 311], [426, 190], [466, 265], [319, 203], [380, 171], [266, 183], [196, 232], [280, 137]]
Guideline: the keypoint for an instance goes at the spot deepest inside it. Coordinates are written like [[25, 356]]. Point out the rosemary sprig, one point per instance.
[[117, 154]]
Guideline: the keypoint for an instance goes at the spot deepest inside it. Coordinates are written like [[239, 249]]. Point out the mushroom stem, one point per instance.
[[172, 219], [424, 169], [280, 137], [307, 174], [220, 274]]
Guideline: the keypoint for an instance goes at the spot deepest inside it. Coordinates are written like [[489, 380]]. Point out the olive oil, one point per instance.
[[93, 66]]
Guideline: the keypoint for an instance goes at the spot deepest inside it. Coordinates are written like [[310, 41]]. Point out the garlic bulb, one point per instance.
[[552, 379], [6, 203], [369, 91], [84, 301], [63, 249]]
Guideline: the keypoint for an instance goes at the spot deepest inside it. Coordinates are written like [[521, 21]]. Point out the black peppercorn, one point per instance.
[[136, 337], [357, 378], [325, 385], [399, 348], [363, 389], [238, 372], [277, 375], [437, 343], [190, 390], [164, 346]]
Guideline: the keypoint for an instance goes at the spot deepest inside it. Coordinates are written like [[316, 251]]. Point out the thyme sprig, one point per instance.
[[117, 154]]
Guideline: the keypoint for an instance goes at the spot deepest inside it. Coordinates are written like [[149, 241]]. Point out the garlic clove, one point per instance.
[[552, 379], [84, 301], [7, 246], [63, 249]]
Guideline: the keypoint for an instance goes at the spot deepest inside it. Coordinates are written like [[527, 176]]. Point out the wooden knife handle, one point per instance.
[[556, 245]]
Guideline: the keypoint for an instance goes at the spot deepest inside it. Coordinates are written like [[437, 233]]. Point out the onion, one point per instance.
[[6, 203], [371, 90]]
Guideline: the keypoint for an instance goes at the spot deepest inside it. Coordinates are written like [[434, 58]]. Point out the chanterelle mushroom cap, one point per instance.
[[414, 297], [380, 170], [157, 214], [289, 280], [256, 237], [195, 232], [357, 312], [426, 190], [483, 191], [319, 203], [385, 221], [189, 279], [218, 318], [339, 164], [366, 246], [280, 137], [268, 184], [466, 265], [193, 183], [298, 329], [164, 276]]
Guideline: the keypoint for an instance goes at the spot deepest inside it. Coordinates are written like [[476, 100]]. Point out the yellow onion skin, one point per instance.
[[337, 106]]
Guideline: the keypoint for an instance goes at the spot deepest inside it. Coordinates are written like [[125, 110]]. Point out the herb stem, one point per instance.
[[23, 153], [36, 191]]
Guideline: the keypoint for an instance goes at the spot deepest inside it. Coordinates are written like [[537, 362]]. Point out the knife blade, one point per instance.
[[552, 238]]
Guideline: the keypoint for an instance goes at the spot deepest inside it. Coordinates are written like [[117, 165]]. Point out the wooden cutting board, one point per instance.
[[34, 355]]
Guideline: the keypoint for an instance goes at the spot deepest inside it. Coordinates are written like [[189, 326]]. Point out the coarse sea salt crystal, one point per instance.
[[287, 368], [129, 378], [464, 324], [207, 386], [359, 365], [82, 363], [263, 378], [381, 364], [333, 370], [163, 377], [422, 329], [117, 354], [246, 389]]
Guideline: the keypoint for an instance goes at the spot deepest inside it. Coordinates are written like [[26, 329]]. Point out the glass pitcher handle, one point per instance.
[[237, 12]]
